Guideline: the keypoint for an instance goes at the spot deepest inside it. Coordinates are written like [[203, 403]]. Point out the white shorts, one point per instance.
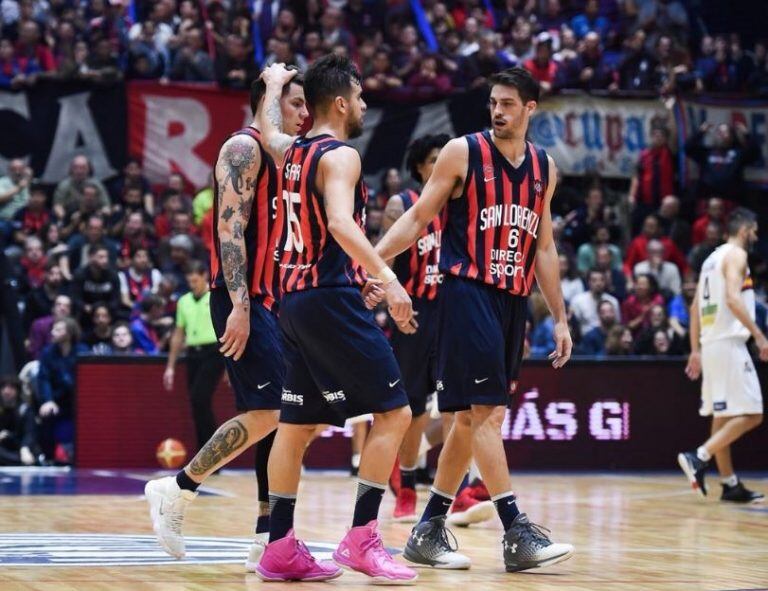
[[729, 386]]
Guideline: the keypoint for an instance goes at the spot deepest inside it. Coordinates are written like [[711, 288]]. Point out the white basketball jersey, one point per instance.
[[716, 319]]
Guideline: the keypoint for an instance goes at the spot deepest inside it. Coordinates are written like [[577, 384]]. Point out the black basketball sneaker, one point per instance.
[[694, 469], [740, 494]]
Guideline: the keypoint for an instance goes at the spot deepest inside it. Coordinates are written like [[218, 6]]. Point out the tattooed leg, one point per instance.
[[230, 440]]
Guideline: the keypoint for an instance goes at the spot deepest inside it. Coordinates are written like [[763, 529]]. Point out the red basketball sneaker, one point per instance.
[[405, 506], [468, 509]]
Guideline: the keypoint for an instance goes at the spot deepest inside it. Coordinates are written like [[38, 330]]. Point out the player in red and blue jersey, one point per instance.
[[497, 238], [243, 301], [416, 350], [339, 364]]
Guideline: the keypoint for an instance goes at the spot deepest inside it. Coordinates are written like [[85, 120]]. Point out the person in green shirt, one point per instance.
[[203, 201], [14, 188], [205, 365]]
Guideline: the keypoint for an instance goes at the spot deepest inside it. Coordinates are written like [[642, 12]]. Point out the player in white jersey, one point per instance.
[[722, 321]]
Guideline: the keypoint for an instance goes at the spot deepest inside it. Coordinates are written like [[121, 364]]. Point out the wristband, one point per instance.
[[386, 275]]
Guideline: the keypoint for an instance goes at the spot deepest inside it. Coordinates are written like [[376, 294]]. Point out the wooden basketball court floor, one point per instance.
[[631, 532]]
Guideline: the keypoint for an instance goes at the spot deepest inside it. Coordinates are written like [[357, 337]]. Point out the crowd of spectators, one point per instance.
[[611, 45]]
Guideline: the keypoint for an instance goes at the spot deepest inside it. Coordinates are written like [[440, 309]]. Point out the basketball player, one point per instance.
[[243, 291], [722, 320], [497, 236], [415, 350], [338, 361]]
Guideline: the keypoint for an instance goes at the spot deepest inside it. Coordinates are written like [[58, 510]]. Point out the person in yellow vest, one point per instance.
[[205, 365]]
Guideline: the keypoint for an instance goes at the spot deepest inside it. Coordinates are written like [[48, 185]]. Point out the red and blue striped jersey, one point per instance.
[[262, 270], [417, 268], [491, 230], [309, 255]]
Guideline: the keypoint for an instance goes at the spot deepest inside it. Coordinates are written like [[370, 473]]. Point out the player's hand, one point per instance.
[[409, 327], [762, 348], [693, 367], [373, 294], [49, 408], [400, 305], [168, 375], [563, 345], [236, 334], [277, 74], [705, 127]]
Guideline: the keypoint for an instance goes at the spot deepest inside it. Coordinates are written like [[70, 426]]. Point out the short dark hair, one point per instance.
[[94, 248], [150, 301], [259, 89], [740, 217], [420, 149], [196, 268], [519, 78], [594, 270], [328, 77]]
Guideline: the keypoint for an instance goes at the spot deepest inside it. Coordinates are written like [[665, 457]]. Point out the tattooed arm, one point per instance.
[[275, 77], [236, 172]]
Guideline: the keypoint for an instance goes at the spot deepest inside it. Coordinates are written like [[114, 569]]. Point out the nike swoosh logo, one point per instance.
[[393, 384], [160, 511], [262, 386], [488, 179], [480, 381]]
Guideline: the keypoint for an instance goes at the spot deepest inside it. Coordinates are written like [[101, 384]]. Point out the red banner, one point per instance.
[[180, 128]]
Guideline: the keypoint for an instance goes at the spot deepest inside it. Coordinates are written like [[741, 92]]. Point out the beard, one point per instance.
[[355, 128]]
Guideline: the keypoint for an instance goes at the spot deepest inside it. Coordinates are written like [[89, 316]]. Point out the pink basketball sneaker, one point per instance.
[[362, 550], [288, 559]]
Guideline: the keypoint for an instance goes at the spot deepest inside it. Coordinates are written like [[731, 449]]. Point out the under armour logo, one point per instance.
[[345, 552], [512, 548], [418, 539]]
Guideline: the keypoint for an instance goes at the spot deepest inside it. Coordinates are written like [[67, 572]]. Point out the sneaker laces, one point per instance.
[[304, 551], [376, 544], [445, 538], [534, 532]]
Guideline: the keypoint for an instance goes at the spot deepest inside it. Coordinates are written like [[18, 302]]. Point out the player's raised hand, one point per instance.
[[373, 294], [399, 302], [236, 334], [563, 345], [278, 74], [693, 367]]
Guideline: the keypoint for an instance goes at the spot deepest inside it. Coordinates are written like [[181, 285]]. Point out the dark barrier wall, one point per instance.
[[591, 415]]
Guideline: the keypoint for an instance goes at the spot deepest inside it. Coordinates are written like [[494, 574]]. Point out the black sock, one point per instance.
[[438, 504], [506, 507], [262, 524], [280, 516], [408, 478], [369, 495], [263, 449], [185, 482]]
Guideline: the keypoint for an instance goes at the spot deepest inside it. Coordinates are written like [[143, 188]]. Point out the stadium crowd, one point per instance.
[[98, 267], [403, 49]]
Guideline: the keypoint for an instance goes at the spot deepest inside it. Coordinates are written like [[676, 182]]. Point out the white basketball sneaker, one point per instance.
[[255, 551], [167, 504]]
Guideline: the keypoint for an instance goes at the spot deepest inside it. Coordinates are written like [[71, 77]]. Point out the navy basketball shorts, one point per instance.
[[257, 377], [480, 341], [338, 362], [416, 355]]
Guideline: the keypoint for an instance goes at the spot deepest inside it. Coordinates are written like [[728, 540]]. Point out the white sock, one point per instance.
[[703, 454], [474, 471], [424, 446], [355, 460], [731, 480]]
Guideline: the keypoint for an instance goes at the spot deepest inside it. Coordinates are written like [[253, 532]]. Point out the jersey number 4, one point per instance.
[[294, 239]]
